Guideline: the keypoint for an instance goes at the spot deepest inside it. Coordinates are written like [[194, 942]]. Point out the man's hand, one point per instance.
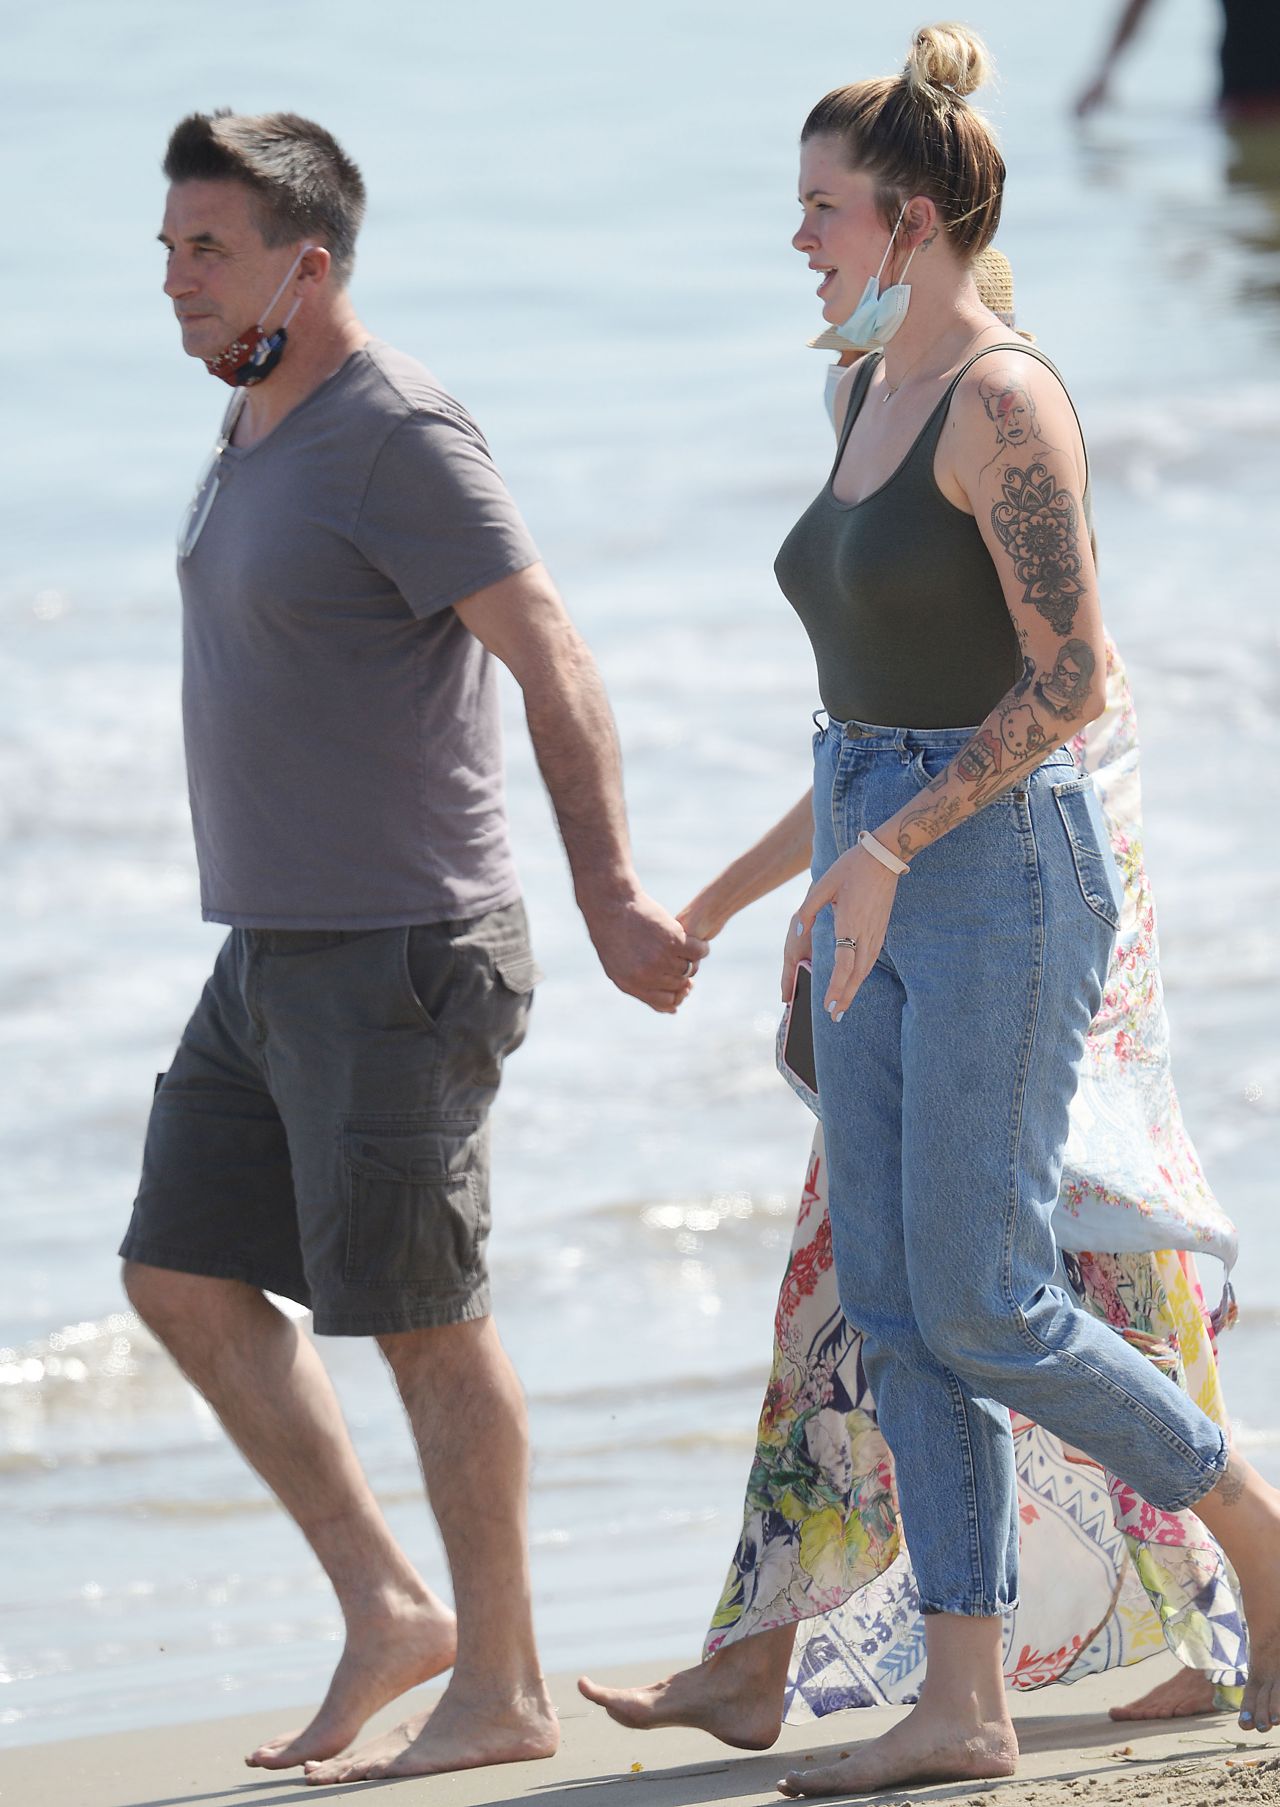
[[645, 951], [522, 620]]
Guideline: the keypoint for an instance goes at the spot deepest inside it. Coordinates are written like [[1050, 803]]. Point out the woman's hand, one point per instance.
[[700, 919], [799, 947], [861, 892]]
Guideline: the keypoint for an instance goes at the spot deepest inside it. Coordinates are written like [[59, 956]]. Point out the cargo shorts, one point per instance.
[[323, 1130]]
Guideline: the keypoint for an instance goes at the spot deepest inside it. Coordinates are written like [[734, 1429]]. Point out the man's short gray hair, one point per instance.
[[303, 183]]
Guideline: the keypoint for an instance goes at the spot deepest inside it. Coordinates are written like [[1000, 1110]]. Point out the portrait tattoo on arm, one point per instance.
[[1011, 409], [1037, 524], [1063, 690]]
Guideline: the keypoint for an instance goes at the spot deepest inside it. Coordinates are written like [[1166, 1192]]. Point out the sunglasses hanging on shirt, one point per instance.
[[207, 482]]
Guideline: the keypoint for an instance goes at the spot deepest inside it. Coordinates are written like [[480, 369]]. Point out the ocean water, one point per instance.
[[580, 219]]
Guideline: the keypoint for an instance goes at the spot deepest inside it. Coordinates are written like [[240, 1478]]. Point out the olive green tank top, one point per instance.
[[898, 593]]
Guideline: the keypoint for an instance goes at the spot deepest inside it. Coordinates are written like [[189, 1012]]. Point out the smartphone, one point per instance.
[[797, 1040]]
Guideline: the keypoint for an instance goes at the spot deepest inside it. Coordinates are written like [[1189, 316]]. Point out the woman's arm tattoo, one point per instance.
[[1063, 690], [1037, 524]]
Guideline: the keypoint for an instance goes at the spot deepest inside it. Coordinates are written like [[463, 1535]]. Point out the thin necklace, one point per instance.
[[891, 389]]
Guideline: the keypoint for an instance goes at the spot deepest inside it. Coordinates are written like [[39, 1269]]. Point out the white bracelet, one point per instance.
[[879, 851]]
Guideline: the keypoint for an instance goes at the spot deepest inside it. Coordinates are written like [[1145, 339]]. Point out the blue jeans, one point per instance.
[[945, 1093]]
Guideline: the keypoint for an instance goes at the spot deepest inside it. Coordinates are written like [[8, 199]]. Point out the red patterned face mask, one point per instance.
[[255, 354]]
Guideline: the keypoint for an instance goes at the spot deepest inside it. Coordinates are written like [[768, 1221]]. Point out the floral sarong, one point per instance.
[[1106, 1578]]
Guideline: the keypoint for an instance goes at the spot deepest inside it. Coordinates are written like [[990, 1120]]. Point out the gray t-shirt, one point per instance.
[[343, 744]]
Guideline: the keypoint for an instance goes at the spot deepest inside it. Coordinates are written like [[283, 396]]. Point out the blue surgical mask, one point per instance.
[[877, 316]]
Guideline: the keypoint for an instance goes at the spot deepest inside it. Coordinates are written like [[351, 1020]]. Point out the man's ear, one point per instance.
[[315, 265]]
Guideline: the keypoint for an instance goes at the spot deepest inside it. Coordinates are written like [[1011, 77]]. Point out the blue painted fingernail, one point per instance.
[[839, 1016], [1245, 1716], [799, 928]]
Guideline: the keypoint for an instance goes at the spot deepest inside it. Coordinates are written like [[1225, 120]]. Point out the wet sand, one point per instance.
[[1071, 1754]]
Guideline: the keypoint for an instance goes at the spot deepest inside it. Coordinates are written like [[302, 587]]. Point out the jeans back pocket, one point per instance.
[[1096, 871]]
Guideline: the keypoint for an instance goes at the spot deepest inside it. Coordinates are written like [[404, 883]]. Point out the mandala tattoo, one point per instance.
[[1036, 523]]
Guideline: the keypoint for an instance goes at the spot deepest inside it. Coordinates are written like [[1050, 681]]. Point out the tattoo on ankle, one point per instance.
[[1231, 1485]]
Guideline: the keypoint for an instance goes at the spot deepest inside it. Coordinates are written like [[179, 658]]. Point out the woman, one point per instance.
[[820, 1550], [964, 907]]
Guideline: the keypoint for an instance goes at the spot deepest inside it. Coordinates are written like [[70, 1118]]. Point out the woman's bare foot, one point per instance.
[[1189, 1691], [926, 1746], [398, 1645], [464, 1732], [736, 1695], [1243, 1513]]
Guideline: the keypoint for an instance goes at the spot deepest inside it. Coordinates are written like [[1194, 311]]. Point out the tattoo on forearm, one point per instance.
[[1023, 741], [981, 760], [995, 757], [1037, 524], [1009, 744], [924, 825]]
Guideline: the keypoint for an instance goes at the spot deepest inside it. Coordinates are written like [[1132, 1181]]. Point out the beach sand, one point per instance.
[[1072, 1753]]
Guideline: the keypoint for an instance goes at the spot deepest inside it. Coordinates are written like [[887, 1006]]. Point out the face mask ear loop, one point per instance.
[[907, 265], [889, 247], [289, 274]]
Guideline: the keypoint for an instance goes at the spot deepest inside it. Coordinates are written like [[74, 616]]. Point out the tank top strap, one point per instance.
[[932, 431], [857, 395]]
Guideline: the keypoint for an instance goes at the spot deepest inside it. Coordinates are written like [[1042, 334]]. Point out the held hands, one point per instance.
[[861, 892], [645, 951], [697, 918]]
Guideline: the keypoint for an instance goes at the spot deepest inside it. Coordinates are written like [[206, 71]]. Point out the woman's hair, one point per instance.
[[915, 133]]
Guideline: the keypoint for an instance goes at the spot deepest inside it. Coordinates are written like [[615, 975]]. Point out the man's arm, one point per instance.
[[524, 623]]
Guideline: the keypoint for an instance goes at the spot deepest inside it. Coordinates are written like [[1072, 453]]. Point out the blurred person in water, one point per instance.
[[1248, 55], [351, 564], [820, 1610], [961, 924]]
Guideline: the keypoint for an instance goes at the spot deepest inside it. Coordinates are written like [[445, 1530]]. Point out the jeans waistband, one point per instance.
[[876, 737]]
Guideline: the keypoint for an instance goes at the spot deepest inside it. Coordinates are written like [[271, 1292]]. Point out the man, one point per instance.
[[1248, 59], [349, 565]]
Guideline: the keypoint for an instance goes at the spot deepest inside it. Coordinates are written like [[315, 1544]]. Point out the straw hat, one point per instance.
[[993, 274]]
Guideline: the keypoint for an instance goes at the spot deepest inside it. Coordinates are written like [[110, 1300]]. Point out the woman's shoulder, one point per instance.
[[1011, 395], [1006, 367]]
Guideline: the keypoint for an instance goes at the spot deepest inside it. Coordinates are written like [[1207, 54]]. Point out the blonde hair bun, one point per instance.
[[947, 58]]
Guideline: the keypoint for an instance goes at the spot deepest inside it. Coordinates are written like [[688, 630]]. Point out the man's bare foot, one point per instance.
[[923, 1747], [460, 1734], [403, 1643], [1189, 1691], [714, 1700]]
